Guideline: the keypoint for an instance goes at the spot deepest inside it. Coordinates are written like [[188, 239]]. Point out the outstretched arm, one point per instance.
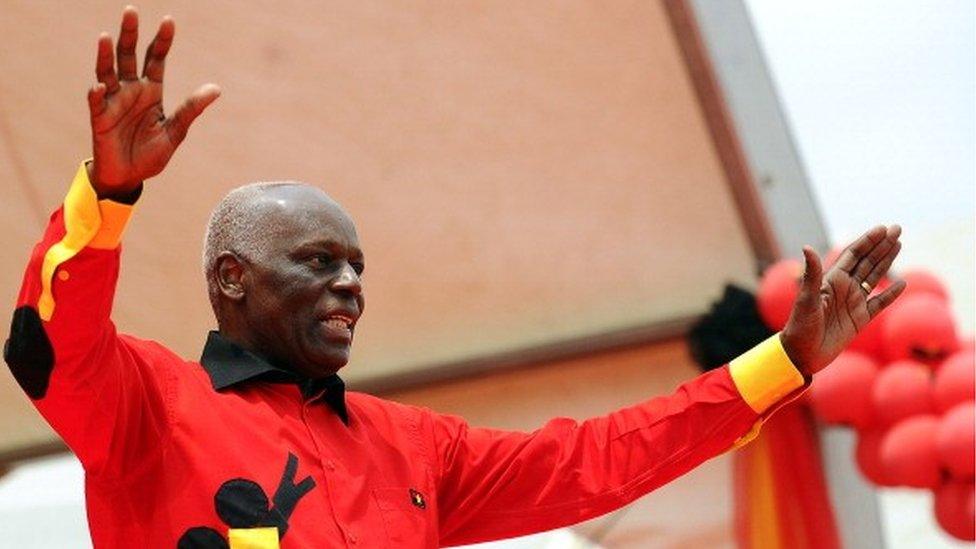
[[100, 391], [493, 484]]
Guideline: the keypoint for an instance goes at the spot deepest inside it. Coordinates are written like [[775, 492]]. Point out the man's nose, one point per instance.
[[347, 281]]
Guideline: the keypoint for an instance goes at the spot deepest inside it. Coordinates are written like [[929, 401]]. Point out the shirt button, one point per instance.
[[353, 539], [330, 465]]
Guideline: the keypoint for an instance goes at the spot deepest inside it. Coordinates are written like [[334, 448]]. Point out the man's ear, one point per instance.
[[230, 275]]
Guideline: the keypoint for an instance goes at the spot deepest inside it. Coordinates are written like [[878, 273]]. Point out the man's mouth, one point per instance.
[[339, 326], [339, 322]]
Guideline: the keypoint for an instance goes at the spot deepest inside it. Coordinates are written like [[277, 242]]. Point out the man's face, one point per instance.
[[303, 294]]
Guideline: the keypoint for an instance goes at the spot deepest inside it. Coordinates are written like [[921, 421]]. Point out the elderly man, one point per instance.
[[259, 445]]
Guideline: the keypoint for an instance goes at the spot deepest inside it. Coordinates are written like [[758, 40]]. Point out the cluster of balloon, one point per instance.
[[907, 384]]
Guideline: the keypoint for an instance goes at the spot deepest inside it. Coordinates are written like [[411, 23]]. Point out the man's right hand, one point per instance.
[[132, 139]]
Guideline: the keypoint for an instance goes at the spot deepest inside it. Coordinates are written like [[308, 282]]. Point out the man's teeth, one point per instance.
[[339, 323]]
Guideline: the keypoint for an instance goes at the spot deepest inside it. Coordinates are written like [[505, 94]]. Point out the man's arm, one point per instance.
[[493, 484], [496, 484], [91, 386], [98, 390]]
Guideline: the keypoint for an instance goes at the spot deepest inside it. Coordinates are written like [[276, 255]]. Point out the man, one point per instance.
[[259, 445]]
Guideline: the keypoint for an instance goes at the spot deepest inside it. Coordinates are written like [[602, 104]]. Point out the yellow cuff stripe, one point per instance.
[[764, 375], [115, 217], [87, 222], [253, 538], [749, 436]]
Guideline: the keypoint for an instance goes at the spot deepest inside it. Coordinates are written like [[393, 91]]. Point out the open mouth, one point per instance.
[[339, 322], [339, 326]]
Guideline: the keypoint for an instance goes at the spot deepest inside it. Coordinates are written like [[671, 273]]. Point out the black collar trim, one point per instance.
[[229, 364]]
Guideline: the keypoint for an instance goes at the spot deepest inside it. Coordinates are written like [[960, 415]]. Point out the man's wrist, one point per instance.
[[800, 365], [127, 193]]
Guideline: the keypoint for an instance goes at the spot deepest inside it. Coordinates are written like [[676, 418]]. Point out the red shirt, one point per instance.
[[229, 451]]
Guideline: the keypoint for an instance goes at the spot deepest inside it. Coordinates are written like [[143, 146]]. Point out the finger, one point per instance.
[[881, 268], [157, 50], [96, 99], [812, 279], [125, 50], [178, 124], [867, 264], [879, 302], [859, 248], [105, 64]]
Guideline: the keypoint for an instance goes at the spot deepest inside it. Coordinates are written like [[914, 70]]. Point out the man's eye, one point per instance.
[[358, 267], [320, 260]]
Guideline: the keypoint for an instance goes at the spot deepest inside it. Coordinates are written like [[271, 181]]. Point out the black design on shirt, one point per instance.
[[28, 352], [242, 503], [202, 537]]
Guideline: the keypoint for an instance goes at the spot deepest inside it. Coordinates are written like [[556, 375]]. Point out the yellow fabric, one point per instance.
[[764, 524], [115, 217], [253, 538], [764, 375], [748, 437], [84, 225]]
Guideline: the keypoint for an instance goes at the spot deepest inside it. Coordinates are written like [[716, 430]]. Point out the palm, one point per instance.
[[844, 311], [129, 136], [132, 139], [832, 309]]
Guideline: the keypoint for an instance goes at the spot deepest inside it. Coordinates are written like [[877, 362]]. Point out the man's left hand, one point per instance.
[[831, 309]]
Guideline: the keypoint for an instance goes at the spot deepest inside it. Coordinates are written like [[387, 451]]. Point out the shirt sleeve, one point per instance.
[[95, 388], [494, 484]]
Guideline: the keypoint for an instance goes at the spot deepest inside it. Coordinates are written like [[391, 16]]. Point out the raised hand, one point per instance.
[[132, 138], [830, 310]]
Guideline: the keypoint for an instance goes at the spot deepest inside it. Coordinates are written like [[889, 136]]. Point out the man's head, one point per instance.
[[283, 268]]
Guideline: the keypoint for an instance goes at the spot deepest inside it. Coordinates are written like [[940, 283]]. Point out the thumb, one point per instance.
[[812, 280], [178, 124]]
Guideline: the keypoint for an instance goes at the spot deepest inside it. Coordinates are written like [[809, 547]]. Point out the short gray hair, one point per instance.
[[236, 226]]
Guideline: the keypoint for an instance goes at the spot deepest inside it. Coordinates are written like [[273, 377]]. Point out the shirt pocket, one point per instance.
[[406, 515]]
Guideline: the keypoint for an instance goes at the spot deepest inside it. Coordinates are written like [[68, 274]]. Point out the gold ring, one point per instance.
[[865, 286]]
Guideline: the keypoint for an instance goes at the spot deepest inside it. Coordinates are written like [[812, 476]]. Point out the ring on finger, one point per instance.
[[865, 286]]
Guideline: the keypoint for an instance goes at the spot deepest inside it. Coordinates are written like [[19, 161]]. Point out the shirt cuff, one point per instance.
[[115, 218], [88, 222], [764, 375], [104, 220]]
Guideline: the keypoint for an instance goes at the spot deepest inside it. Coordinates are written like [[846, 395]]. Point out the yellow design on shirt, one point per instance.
[[253, 538]]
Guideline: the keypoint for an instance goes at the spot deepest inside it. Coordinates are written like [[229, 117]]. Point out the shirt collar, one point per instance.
[[228, 364]]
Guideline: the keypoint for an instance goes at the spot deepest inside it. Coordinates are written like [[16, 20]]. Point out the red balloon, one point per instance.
[[909, 454], [778, 289], [841, 393], [869, 340], [868, 456], [956, 440], [955, 380], [955, 509], [901, 390], [920, 327], [923, 282]]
